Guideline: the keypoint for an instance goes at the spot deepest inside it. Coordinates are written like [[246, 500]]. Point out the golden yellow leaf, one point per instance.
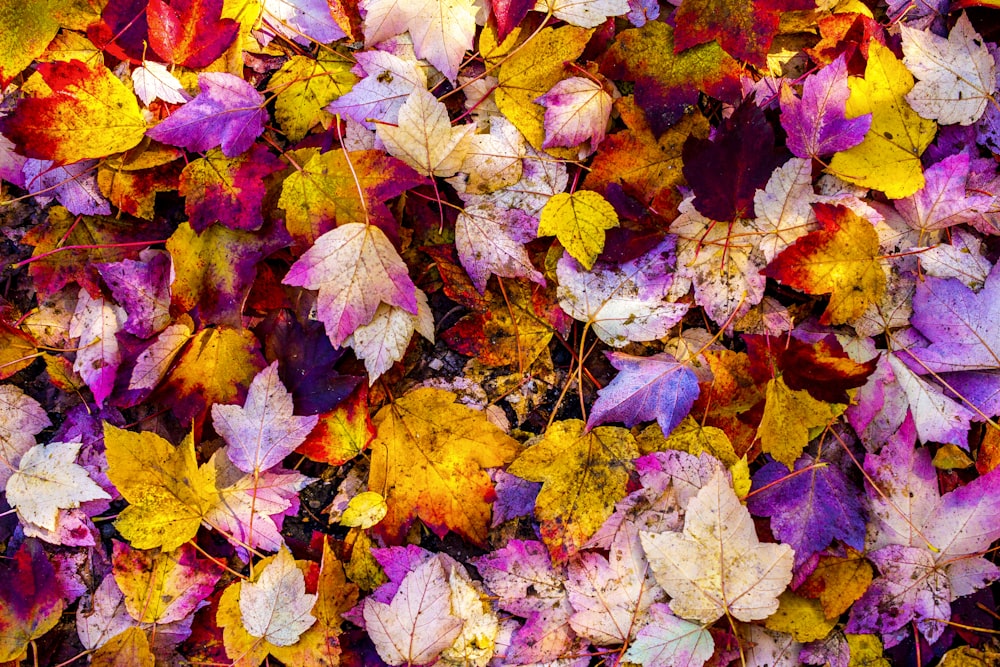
[[428, 461], [583, 474], [800, 617], [578, 220], [866, 651], [364, 510], [305, 86], [838, 582], [789, 416], [691, 437], [889, 157], [167, 493], [531, 72], [841, 259], [126, 649]]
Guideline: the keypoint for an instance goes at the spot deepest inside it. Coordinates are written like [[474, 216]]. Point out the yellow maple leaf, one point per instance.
[[800, 617], [126, 649], [839, 582], [583, 474], [789, 416], [578, 220], [841, 259], [305, 86], [530, 72], [428, 462], [889, 157], [168, 494]]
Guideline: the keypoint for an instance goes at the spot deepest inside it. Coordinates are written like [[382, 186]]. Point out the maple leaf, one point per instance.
[[958, 322], [249, 508], [424, 138], [840, 259], [28, 30], [936, 417], [95, 323], [228, 112], [531, 71], [214, 269], [838, 582], [494, 160], [32, 605], [142, 288], [783, 207], [442, 30], [88, 241], [583, 474], [667, 80], [305, 87], [816, 124], [744, 29], [153, 81], [275, 607], [957, 75], [790, 416], [668, 640], [808, 510], [263, 431], [337, 188], [646, 167], [521, 575], [428, 460], [943, 200], [418, 624], [579, 221], [577, 109], [73, 185], [72, 111], [490, 241], [122, 31], [303, 21], [646, 388], [168, 494], [191, 33], [349, 299], [611, 596], [47, 480], [723, 266], [163, 587], [725, 171], [383, 341], [21, 419], [888, 159], [623, 303], [717, 566], [387, 84], [133, 184], [227, 190], [585, 14]]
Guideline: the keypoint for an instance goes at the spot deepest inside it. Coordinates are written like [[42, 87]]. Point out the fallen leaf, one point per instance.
[[579, 221], [717, 566], [424, 138]]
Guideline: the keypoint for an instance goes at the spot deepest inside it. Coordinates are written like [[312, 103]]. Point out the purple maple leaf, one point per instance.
[[961, 324], [646, 388], [142, 288], [816, 124], [810, 509], [228, 112], [943, 202]]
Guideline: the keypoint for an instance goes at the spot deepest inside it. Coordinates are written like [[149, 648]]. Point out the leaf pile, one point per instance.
[[447, 332]]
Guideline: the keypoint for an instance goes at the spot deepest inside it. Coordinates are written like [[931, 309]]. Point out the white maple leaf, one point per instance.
[[717, 566], [424, 138], [21, 419], [262, 431], [957, 76], [577, 109], [583, 13], [442, 30], [476, 644], [623, 304], [95, 322], [276, 607], [783, 207], [47, 480], [418, 624], [153, 81], [355, 268], [490, 241], [494, 159], [721, 260], [382, 342], [668, 641]]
